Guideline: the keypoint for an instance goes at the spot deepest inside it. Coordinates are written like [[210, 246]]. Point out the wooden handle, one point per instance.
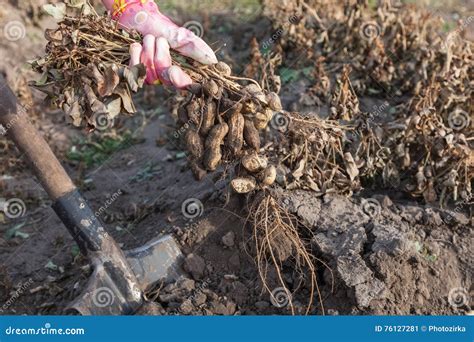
[[47, 168]]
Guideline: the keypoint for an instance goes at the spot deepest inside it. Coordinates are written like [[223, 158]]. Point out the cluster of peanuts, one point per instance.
[[224, 125]]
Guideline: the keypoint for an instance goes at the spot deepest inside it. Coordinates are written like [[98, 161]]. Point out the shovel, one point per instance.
[[119, 278]]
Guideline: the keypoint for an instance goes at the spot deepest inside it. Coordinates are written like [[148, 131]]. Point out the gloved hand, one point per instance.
[[160, 34]]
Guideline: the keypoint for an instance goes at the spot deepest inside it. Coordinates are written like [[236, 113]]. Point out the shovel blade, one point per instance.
[[106, 294], [157, 260], [110, 292]]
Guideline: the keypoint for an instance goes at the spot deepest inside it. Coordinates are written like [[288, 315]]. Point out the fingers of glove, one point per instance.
[[179, 78], [169, 74], [158, 63], [135, 54], [162, 58], [190, 45], [148, 58]]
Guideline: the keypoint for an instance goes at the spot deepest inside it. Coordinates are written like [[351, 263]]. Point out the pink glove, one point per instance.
[[160, 34]]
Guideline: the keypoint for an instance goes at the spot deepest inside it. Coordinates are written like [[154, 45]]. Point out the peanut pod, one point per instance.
[[251, 135], [223, 68], [254, 163], [193, 112], [208, 118], [243, 185], [198, 172], [195, 89], [211, 88], [194, 144], [261, 120], [274, 102], [235, 138], [249, 107], [183, 115], [213, 154], [228, 107], [225, 104], [268, 176], [256, 92]]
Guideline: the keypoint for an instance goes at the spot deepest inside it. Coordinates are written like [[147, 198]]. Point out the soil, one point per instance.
[[380, 252]]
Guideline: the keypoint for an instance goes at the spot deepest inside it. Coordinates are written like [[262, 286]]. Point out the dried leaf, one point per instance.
[[53, 35], [351, 167], [57, 11], [72, 108], [299, 171], [111, 81], [127, 102], [114, 107], [135, 76], [95, 104]]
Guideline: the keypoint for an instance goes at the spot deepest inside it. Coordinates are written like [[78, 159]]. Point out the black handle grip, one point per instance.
[[81, 221]]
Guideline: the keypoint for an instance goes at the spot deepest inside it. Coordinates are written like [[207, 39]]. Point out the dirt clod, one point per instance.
[[195, 265], [229, 239]]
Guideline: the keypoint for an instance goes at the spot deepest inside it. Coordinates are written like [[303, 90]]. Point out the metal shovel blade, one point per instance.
[[158, 260]]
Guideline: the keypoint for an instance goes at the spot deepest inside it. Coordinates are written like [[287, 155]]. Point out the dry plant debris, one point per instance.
[[263, 67], [426, 147], [397, 52], [85, 70], [310, 155]]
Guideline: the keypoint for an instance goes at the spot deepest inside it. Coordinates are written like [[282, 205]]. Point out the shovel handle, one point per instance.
[[47, 168]]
